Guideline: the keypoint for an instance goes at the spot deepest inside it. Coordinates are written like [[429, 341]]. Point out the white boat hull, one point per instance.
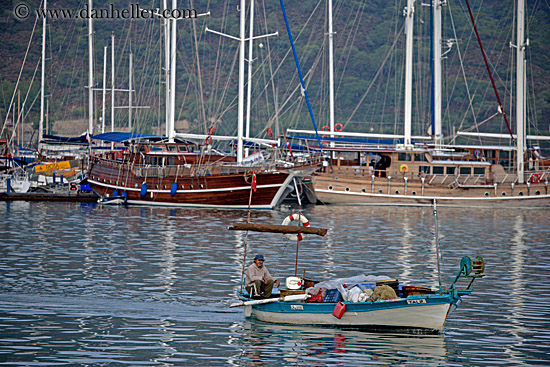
[[419, 317], [428, 312], [359, 198]]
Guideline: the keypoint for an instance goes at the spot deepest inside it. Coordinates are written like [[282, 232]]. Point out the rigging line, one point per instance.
[[18, 78], [213, 110], [489, 70], [286, 55], [199, 76], [375, 76], [344, 58], [471, 107], [12, 137]]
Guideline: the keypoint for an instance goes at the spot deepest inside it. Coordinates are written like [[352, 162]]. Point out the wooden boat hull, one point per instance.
[[344, 191], [427, 312], [214, 190]]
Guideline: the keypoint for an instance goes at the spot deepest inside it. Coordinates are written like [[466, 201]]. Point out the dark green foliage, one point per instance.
[[365, 33]]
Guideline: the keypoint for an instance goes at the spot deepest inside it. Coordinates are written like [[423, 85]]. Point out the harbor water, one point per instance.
[[87, 285]]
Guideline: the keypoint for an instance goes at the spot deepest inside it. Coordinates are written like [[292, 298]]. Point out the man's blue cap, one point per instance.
[[259, 257]]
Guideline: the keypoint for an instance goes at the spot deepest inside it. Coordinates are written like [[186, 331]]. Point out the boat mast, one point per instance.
[[112, 82], [167, 67], [130, 86], [331, 71], [437, 70], [409, 18], [241, 84], [104, 90], [43, 75], [520, 90], [250, 60], [90, 73], [171, 122]]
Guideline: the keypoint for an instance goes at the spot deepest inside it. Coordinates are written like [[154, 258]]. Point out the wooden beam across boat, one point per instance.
[[274, 228]]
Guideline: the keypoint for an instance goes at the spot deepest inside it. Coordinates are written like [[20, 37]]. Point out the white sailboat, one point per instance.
[[416, 174]]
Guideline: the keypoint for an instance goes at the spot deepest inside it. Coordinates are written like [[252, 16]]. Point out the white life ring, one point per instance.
[[292, 218]]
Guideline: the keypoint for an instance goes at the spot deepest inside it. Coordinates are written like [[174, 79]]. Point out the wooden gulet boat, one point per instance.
[[413, 309], [179, 174]]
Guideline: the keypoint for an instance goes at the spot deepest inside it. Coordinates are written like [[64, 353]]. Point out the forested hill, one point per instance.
[[369, 44]]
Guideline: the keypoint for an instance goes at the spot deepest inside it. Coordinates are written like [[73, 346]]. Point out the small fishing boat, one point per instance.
[[364, 302]]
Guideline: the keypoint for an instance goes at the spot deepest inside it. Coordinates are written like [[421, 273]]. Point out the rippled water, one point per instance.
[[85, 285]]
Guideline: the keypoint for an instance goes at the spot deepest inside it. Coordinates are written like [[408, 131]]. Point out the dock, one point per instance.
[[88, 197]]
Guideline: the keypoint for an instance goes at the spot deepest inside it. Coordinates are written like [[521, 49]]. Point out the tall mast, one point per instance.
[[437, 70], [167, 66], [43, 76], [104, 89], [330, 69], [241, 84], [409, 18], [112, 81], [130, 86], [250, 60], [520, 90], [171, 131], [90, 73]]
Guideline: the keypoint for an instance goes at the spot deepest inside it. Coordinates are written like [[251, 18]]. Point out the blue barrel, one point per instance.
[[124, 195], [115, 193], [143, 191], [173, 189]]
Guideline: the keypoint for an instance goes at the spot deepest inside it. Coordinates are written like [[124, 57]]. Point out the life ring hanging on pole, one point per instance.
[[269, 132], [338, 127], [208, 140], [477, 153], [404, 168], [211, 130], [291, 218], [535, 178]]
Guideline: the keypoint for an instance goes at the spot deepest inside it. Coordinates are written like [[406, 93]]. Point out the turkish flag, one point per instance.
[[254, 181]]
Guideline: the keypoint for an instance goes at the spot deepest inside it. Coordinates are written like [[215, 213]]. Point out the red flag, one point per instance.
[[254, 181]]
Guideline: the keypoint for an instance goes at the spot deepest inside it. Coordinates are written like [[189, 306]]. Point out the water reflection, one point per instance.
[[84, 284], [266, 344]]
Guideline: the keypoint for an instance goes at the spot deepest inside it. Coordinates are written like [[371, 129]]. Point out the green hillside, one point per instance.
[[369, 61]]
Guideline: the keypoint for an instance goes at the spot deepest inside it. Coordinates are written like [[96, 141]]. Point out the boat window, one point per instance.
[[479, 170], [465, 170], [490, 154], [450, 170], [171, 161], [504, 154], [437, 170], [172, 148], [424, 169], [404, 157], [420, 158]]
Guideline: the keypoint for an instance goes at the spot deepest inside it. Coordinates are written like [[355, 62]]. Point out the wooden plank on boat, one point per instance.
[[291, 298], [274, 228]]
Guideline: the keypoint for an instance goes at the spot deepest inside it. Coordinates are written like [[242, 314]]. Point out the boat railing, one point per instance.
[[202, 169]]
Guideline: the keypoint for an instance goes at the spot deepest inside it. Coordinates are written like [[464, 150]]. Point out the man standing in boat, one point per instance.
[[259, 282]]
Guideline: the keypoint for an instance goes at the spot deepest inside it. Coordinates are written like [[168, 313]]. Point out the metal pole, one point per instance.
[[90, 73], [43, 76], [240, 119], [104, 91]]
